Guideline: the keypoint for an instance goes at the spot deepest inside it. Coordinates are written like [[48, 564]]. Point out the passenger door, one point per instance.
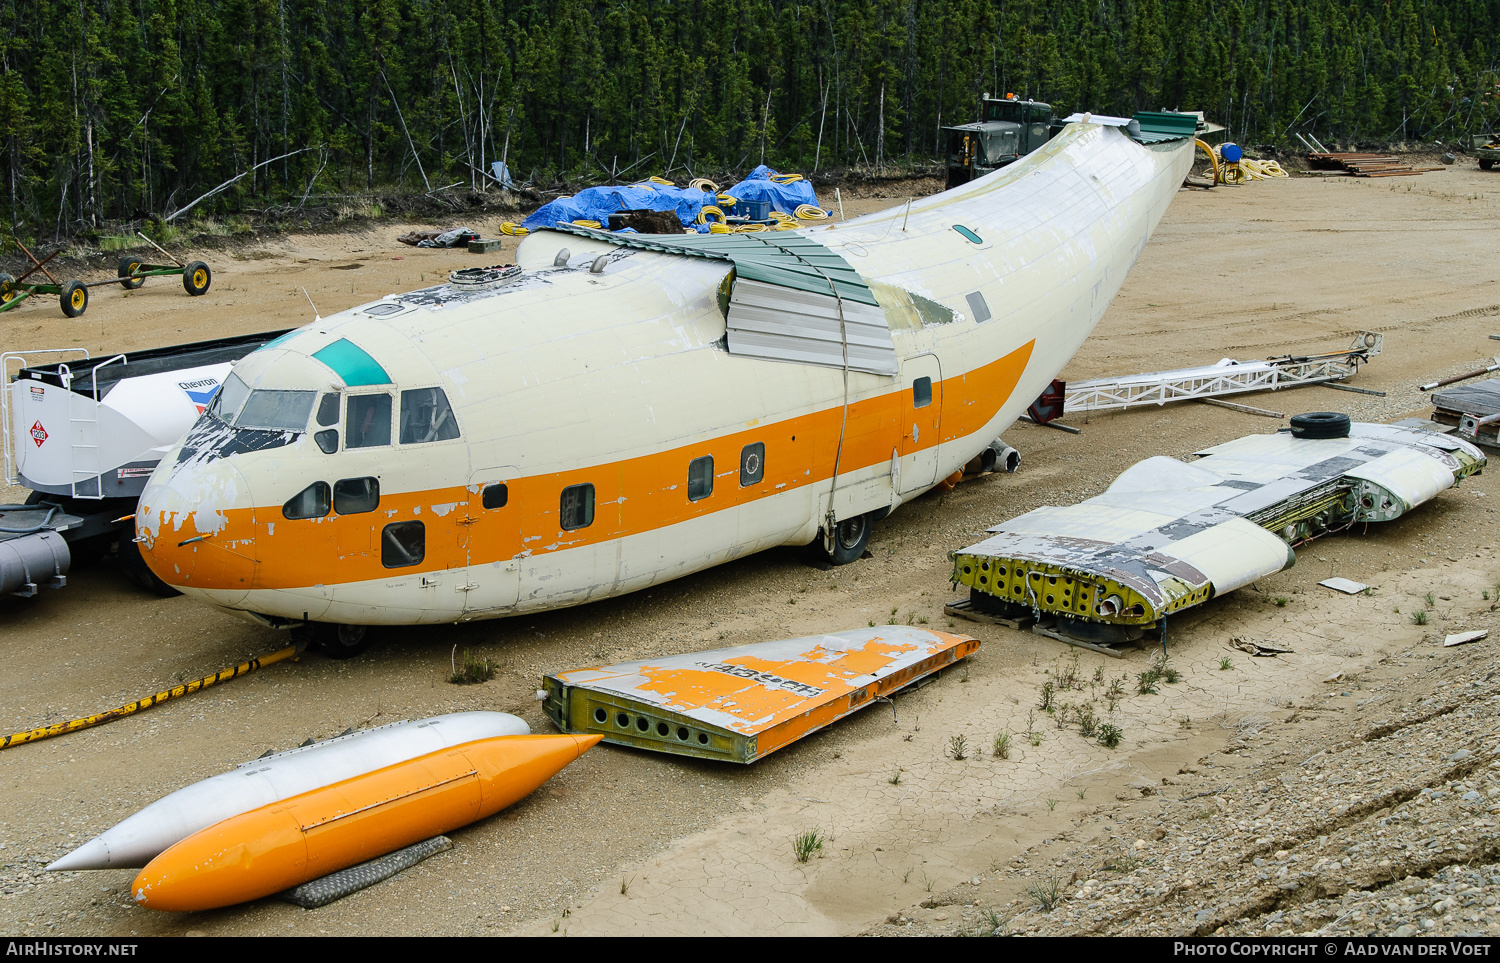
[[922, 378], [490, 536]]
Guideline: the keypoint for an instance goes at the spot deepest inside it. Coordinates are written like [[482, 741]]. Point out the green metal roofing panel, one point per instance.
[[783, 258], [351, 362], [1159, 125]]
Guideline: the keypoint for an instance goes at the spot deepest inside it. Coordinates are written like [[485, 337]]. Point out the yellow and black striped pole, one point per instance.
[[244, 668]]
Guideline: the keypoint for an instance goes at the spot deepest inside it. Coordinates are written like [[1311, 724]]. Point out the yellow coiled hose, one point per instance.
[[513, 230]]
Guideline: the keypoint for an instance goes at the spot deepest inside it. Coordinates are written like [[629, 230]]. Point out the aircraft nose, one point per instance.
[[195, 524]]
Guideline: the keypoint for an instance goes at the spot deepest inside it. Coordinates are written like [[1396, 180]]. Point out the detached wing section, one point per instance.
[[1169, 535]]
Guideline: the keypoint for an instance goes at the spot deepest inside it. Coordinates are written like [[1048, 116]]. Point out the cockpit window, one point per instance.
[[426, 416], [227, 402], [367, 421], [276, 410]]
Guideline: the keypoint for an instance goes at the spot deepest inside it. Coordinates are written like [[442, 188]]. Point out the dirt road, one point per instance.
[[627, 842]]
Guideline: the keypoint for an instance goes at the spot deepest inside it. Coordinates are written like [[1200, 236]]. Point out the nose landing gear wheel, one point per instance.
[[340, 641]]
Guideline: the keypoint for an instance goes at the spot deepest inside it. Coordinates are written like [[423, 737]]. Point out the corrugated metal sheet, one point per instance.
[[783, 258], [1165, 125], [782, 324]]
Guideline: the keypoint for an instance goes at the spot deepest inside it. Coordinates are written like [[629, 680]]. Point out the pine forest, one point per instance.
[[129, 109]]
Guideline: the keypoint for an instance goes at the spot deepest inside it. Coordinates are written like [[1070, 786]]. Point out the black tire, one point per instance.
[[849, 539], [341, 641], [1320, 424], [74, 298], [1485, 165], [7, 289], [196, 278], [127, 267], [138, 571]]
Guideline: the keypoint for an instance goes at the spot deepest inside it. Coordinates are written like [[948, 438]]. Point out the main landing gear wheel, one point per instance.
[[850, 537], [196, 278], [341, 641], [127, 267], [1320, 424], [74, 298], [7, 289]]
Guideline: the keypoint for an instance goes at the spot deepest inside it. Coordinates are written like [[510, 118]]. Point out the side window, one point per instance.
[[367, 422], [328, 440], [403, 544], [310, 502], [752, 464], [494, 496], [700, 478], [577, 509], [978, 306], [328, 409], [426, 416], [351, 496], [921, 393]]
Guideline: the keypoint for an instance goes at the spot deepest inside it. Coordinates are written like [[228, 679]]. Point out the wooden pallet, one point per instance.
[[964, 609]]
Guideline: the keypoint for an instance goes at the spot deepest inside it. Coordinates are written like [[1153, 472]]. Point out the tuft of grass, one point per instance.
[[998, 925], [1051, 805], [1165, 670], [1184, 722], [1145, 682], [806, 843], [1115, 692], [1280, 601], [1049, 692], [895, 779], [1083, 792], [1225, 664], [958, 747], [1088, 721], [1419, 617], [1430, 599], [473, 671], [1035, 738], [625, 884], [1110, 736], [1001, 748], [1124, 863], [1046, 893], [906, 876]]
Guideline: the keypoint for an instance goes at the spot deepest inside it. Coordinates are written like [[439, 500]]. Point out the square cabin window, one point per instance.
[[426, 416], [577, 508], [367, 421], [752, 464], [354, 496], [700, 478], [921, 393]]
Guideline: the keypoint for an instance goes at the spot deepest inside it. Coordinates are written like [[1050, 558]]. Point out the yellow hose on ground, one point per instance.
[[585, 222], [660, 180], [782, 216], [244, 668], [750, 229], [720, 228], [513, 230], [1213, 159], [728, 200], [808, 212], [710, 211], [704, 184]]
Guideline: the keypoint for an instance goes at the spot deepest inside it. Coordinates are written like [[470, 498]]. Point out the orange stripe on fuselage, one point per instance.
[[632, 496]]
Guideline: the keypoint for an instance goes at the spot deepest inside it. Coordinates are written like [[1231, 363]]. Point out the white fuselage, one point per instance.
[[566, 461]]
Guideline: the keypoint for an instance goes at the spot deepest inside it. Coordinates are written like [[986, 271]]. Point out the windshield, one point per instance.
[[282, 410], [227, 402]]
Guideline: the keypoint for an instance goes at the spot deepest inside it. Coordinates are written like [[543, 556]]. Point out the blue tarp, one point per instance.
[[598, 203], [786, 198]]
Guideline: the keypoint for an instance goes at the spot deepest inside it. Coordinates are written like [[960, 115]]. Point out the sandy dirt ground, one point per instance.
[[913, 840]]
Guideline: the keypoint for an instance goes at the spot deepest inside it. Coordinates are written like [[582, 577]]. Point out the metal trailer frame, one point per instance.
[[73, 294], [1197, 384]]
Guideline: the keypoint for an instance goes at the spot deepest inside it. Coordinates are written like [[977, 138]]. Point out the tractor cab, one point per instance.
[[1008, 129]]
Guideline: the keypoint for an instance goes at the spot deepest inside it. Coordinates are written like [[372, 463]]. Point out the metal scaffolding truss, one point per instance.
[[1228, 377]]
